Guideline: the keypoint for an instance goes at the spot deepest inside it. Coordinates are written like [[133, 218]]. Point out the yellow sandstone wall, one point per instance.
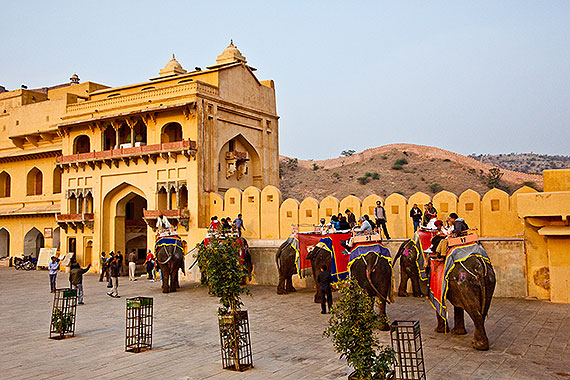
[[267, 216]]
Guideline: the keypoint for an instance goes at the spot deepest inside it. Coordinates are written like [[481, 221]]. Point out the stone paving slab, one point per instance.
[[529, 339]]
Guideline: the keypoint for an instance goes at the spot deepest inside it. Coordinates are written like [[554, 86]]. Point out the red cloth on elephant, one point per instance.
[[306, 244], [437, 272]]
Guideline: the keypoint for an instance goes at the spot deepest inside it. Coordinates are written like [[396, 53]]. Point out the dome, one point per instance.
[[230, 54], [173, 67]]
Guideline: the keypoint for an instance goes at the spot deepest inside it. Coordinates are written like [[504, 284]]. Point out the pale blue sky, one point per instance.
[[480, 76]]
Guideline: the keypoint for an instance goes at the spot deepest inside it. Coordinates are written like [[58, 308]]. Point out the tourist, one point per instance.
[[76, 280], [430, 213], [324, 279], [53, 267], [108, 269], [119, 256], [343, 224], [380, 216], [416, 215], [238, 222], [335, 223], [132, 258], [459, 226], [162, 223], [364, 225], [372, 224], [149, 264], [115, 269], [226, 224], [103, 267], [214, 223], [350, 218]]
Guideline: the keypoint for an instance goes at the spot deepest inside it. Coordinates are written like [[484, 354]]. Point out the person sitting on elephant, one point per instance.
[[364, 226], [343, 224], [214, 223], [335, 223], [350, 218], [163, 223], [460, 228]]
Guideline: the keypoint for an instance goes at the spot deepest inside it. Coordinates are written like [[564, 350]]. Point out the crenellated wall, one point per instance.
[[267, 216]]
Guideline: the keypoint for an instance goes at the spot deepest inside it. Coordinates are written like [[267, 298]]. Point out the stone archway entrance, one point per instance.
[[33, 241], [123, 226]]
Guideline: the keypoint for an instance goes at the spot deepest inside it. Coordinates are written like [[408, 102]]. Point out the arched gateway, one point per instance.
[[122, 226]]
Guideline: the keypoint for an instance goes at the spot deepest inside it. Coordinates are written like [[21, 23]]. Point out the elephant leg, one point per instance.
[[289, 285], [403, 282], [385, 326], [480, 340], [442, 327], [165, 280], [281, 284], [416, 285], [459, 328], [318, 296], [174, 280]]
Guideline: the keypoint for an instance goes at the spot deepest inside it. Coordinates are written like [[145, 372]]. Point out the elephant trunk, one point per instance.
[[400, 250]]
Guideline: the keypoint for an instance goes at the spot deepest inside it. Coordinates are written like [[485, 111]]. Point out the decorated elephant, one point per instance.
[[285, 260], [469, 286], [170, 258], [373, 273], [409, 270]]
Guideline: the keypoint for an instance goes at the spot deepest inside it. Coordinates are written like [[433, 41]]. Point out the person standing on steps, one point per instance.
[[380, 216], [416, 215], [238, 223]]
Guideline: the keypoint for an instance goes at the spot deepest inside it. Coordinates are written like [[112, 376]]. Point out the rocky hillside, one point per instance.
[[524, 162], [395, 168]]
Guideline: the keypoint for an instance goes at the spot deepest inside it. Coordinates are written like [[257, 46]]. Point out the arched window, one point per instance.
[[57, 180], [82, 144], [34, 182], [4, 242], [171, 132], [124, 134], [109, 138], [33, 241], [5, 185], [140, 133], [162, 199], [72, 204], [183, 197]]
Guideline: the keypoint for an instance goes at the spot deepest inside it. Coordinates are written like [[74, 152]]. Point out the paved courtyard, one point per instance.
[[529, 339]]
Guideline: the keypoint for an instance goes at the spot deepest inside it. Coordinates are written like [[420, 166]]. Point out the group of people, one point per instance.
[[227, 225], [365, 224], [420, 218], [75, 276]]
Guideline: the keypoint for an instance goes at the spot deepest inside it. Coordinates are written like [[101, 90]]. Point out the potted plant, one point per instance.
[[218, 259], [352, 327]]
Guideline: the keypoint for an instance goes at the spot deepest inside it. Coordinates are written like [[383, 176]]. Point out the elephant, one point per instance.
[[409, 270], [374, 275], [470, 288], [285, 260], [170, 259]]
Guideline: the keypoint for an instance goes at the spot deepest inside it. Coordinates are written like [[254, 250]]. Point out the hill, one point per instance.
[[531, 163], [401, 168]]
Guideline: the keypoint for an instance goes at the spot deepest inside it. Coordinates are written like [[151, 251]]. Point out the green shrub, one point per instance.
[[368, 174], [336, 175], [363, 180], [347, 153], [447, 160], [435, 187], [384, 157], [401, 161], [397, 166], [375, 176], [315, 167], [352, 330]]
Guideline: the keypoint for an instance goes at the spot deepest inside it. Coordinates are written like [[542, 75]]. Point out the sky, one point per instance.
[[470, 77]]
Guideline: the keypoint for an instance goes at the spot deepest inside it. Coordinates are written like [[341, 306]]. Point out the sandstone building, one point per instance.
[[88, 168]]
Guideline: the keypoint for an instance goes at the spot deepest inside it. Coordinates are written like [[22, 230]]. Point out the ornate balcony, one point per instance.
[[111, 157], [75, 221], [180, 216]]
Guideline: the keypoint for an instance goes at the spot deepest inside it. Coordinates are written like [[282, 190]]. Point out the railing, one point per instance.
[[142, 97], [176, 213], [65, 218], [128, 152]]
